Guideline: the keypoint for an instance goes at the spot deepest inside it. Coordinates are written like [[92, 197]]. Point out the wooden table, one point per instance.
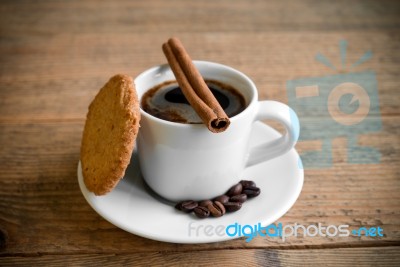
[[55, 55]]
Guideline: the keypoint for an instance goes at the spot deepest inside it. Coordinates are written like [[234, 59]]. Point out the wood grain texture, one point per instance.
[[63, 75], [56, 55], [39, 195], [190, 16], [258, 257]]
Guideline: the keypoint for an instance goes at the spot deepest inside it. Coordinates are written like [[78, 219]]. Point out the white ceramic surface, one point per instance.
[[132, 206], [182, 161]]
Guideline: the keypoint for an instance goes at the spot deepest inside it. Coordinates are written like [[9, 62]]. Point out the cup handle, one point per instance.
[[285, 115]]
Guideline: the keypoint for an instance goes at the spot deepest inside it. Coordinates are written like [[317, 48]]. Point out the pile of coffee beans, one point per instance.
[[231, 201]]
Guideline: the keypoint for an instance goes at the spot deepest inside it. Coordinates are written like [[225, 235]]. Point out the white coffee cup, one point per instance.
[[187, 161]]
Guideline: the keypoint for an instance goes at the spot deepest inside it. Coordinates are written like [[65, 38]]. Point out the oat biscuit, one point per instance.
[[111, 127]]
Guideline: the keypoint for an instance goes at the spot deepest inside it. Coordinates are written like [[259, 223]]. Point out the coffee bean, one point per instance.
[[205, 203], [229, 202], [223, 199], [221, 207], [251, 191], [238, 198], [247, 183], [235, 190], [216, 209], [186, 206], [232, 206], [201, 212]]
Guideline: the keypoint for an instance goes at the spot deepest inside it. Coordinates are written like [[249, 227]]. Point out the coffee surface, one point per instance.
[[167, 101]]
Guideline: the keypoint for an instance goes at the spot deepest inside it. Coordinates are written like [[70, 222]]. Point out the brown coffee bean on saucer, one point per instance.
[[235, 190], [201, 212], [232, 206], [216, 209], [223, 199], [230, 202], [186, 206], [205, 203], [247, 183], [238, 198], [251, 191]]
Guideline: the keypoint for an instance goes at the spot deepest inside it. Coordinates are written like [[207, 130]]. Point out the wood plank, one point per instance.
[[388, 256], [51, 17], [54, 56], [56, 77], [42, 209]]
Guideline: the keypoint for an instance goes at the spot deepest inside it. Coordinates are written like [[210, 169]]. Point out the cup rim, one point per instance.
[[237, 117]]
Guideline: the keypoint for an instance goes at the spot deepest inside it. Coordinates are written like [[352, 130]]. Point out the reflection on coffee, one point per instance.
[[166, 101]]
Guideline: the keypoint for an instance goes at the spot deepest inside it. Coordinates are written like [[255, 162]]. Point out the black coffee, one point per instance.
[[166, 101]]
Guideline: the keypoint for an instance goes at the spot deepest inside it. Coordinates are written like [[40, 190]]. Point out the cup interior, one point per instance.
[[209, 70]]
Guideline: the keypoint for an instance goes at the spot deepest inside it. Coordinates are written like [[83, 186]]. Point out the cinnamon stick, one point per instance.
[[194, 88]]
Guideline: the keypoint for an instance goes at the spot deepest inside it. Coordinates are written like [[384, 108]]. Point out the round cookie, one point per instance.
[[111, 127]]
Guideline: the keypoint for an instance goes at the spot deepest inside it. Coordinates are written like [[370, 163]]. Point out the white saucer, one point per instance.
[[132, 207]]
